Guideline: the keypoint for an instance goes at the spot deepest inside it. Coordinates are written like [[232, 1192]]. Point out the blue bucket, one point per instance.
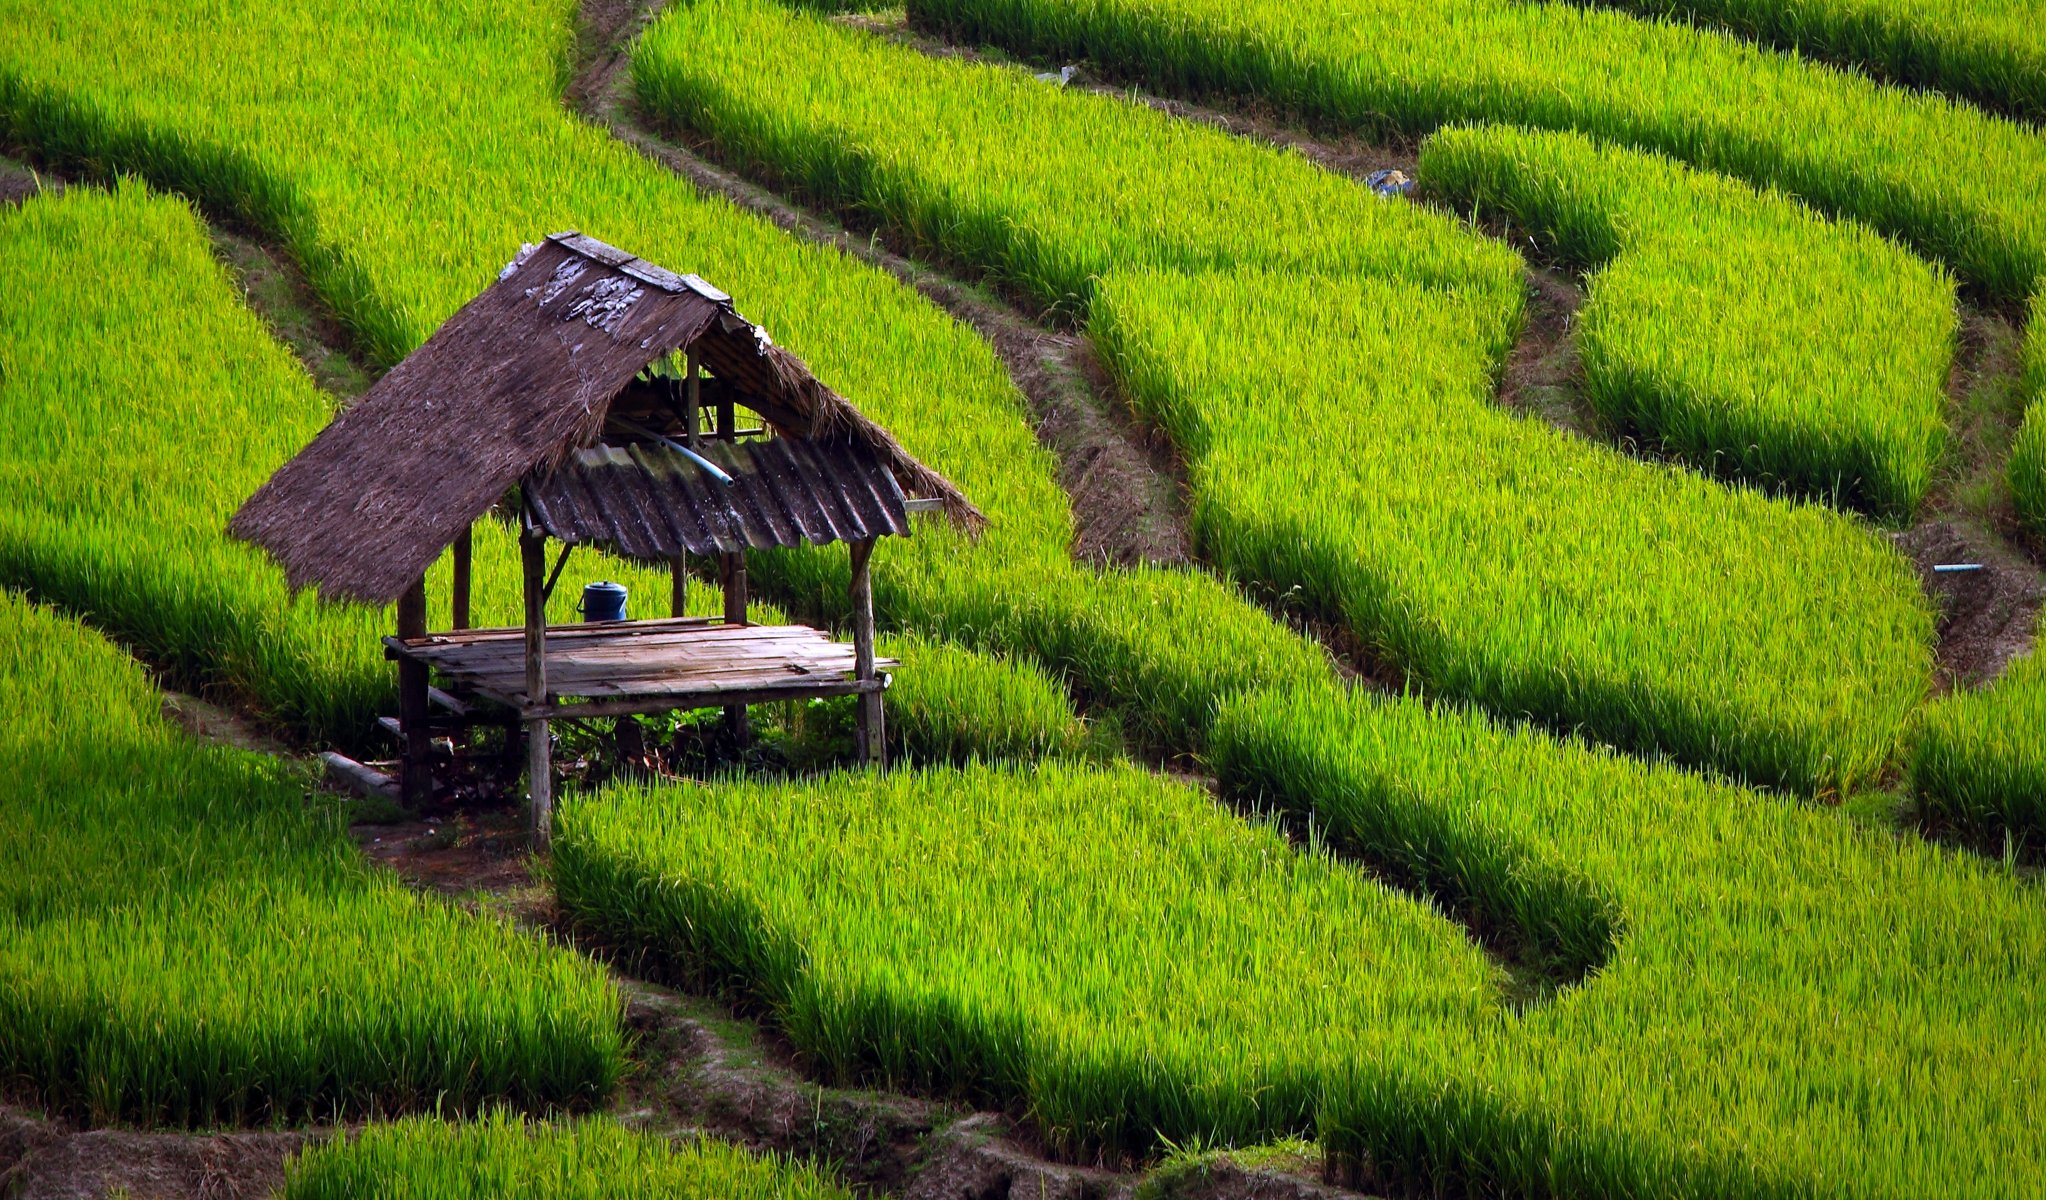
[[603, 601]]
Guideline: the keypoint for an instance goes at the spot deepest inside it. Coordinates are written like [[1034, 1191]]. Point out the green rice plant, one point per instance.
[[184, 941], [950, 704], [499, 1157], [2027, 467], [1108, 948], [1490, 556], [1729, 326], [1779, 1004], [1980, 757], [1990, 51], [1959, 186], [405, 162]]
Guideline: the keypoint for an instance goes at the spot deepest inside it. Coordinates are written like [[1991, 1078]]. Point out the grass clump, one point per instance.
[[500, 1157], [1728, 326], [2027, 469], [184, 941], [1980, 758], [949, 704], [1491, 557]]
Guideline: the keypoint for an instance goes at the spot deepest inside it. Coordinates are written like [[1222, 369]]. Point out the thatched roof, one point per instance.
[[524, 374]]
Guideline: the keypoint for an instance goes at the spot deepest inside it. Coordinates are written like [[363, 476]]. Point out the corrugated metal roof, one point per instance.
[[649, 501]]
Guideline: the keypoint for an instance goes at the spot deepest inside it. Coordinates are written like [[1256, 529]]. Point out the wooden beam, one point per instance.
[[692, 395], [678, 592], [539, 757], [415, 775], [363, 781], [458, 592], [728, 416], [732, 573], [872, 731], [685, 701]]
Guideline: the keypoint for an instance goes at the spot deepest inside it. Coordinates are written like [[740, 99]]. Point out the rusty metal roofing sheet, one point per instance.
[[650, 501]]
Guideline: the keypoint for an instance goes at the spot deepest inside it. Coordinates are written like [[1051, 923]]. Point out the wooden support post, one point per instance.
[[458, 591], [732, 576], [539, 757], [692, 394], [679, 586], [415, 776], [872, 733], [728, 418]]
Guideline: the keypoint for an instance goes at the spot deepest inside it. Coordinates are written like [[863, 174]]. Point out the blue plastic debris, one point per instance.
[[1389, 182]]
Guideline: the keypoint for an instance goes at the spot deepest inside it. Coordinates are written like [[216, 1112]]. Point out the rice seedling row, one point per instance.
[[183, 940], [1979, 758], [2028, 455], [1269, 314], [500, 1157], [1841, 142], [1989, 51], [1730, 327]]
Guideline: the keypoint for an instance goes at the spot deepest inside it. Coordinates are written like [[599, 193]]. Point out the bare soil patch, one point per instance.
[[51, 1160]]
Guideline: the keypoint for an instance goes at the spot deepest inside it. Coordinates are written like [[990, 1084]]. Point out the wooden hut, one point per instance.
[[536, 400]]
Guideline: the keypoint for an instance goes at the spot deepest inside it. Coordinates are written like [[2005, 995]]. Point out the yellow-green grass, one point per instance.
[[2027, 469], [404, 162], [1270, 315], [1959, 185], [1730, 326], [1990, 51], [187, 939], [1781, 1003], [503, 1158], [1980, 757]]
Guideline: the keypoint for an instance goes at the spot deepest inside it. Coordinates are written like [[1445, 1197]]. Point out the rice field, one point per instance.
[[1989, 51], [1130, 963], [1842, 143], [1547, 577], [368, 166], [1727, 327], [185, 941], [1600, 881]]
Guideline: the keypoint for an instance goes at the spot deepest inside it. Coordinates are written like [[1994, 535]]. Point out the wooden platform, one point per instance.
[[617, 667]]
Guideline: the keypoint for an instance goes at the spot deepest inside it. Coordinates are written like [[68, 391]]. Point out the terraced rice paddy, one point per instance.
[[1516, 807], [1526, 585], [182, 941]]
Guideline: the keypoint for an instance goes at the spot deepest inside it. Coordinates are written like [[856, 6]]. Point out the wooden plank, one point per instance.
[[613, 708]]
